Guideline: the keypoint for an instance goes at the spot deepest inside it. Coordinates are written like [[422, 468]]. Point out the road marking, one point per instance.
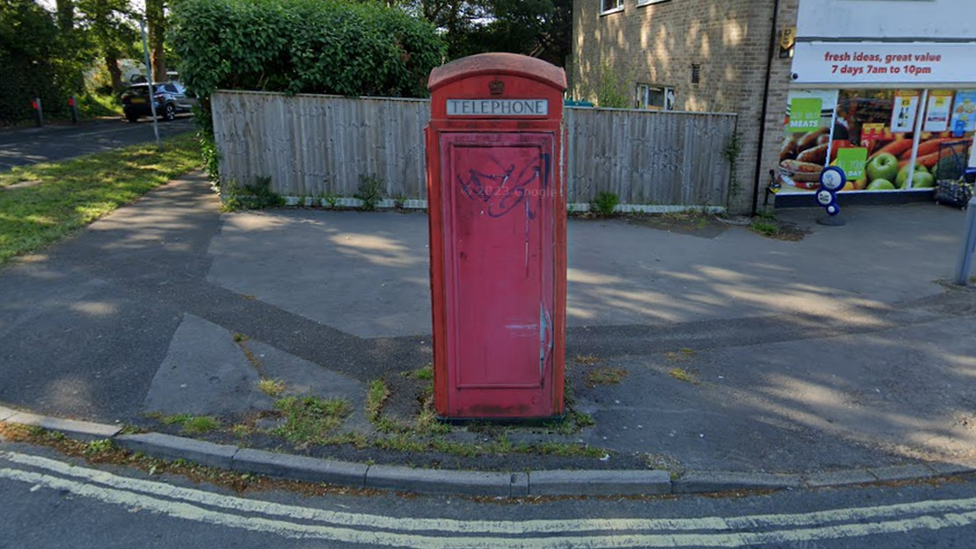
[[186, 511], [818, 518]]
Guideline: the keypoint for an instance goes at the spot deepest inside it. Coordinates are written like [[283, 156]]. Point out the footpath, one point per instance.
[[702, 356]]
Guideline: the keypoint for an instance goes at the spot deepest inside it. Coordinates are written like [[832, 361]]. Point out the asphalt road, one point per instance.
[[49, 501], [32, 145]]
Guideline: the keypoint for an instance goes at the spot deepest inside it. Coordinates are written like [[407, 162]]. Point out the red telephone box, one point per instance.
[[497, 209]]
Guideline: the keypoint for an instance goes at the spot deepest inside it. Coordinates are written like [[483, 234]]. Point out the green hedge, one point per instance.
[[303, 46], [299, 46]]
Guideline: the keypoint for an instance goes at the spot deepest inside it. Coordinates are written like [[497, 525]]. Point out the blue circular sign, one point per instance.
[[833, 179]]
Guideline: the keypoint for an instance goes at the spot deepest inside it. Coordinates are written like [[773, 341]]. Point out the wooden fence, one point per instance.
[[314, 145]]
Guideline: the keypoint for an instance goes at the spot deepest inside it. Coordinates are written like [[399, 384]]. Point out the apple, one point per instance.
[[881, 185], [903, 174], [883, 166], [923, 181]]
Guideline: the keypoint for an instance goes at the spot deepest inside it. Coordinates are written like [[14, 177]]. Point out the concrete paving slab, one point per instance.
[[301, 468], [951, 468], [369, 274], [172, 448], [904, 472], [520, 485], [6, 413], [439, 482], [598, 483], [81, 430], [723, 481], [205, 373], [839, 478]]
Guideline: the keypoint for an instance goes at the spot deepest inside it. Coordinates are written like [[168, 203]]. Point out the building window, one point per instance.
[[655, 97], [696, 73], [646, 2], [609, 6]]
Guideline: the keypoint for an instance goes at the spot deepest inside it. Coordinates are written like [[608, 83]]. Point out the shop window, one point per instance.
[[655, 97], [608, 6], [874, 135]]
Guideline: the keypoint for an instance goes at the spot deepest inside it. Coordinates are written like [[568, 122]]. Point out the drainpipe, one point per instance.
[[765, 108]]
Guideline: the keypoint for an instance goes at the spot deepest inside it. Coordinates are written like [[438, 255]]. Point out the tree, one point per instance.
[[31, 60], [111, 32], [156, 21], [539, 28]]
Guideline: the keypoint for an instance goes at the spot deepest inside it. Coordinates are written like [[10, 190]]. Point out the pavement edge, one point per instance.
[[594, 482]]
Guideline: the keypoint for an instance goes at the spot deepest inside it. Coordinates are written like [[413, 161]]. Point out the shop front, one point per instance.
[[897, 117]]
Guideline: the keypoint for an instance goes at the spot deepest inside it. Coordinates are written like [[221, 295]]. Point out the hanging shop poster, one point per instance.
[[806, 141], [881, 122], [905, 110], [963, 113], [938, 111]]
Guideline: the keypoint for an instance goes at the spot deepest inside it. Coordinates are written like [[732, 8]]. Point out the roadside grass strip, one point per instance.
[[43, 203]]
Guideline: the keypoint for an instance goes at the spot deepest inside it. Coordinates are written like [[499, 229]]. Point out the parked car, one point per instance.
[[170, 98]]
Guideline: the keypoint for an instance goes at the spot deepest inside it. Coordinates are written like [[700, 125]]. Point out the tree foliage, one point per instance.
[[31, 61], [540, 28]]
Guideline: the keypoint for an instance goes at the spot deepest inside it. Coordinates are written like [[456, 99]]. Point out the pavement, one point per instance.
[[25, 146], [841, 358]]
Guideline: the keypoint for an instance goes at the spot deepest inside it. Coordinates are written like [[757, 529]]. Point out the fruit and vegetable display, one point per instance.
[[862, 121]]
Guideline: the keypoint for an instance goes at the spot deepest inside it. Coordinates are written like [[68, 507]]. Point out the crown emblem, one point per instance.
[[496, 87]]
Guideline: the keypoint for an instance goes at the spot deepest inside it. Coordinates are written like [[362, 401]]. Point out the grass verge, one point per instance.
[[50, 201]]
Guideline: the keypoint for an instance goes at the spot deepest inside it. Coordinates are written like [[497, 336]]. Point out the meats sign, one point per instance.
[[887, 63]]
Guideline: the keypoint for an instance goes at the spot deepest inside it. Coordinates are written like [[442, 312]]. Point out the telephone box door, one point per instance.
[[498, 245]]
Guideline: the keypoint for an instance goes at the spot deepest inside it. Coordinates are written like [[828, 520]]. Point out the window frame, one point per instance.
[[607, 11], [642, 3], [641, 99]]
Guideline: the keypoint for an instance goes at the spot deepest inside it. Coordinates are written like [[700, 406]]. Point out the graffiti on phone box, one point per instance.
[[501, 191]]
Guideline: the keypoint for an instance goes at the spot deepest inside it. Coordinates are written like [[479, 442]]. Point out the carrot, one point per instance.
[[895, 147], [928, 161], [928, 147]]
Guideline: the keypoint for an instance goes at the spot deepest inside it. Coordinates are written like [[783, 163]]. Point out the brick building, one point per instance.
[[703, 55]]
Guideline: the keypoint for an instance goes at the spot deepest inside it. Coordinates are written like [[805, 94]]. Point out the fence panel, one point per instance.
[[311, 145]]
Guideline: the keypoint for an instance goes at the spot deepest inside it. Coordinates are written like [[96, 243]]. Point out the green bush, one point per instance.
[[605, 203], [300, 46]]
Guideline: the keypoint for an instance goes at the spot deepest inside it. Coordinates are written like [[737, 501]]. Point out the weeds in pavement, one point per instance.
[[63, 197], [309, 419], [272, 387], [376, 396], [256, 196], [587, 360], [370, 192], [191, 425], [242, 430], [100, 452], [605, 204], [765, 228], [684, 375], [605, 375], [426, 373]]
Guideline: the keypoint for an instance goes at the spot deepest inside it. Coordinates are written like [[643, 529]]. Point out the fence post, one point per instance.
[[38, 112], [73, 103], [965, 263]]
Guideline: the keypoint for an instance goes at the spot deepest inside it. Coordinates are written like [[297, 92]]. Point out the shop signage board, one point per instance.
[[859, 63]]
